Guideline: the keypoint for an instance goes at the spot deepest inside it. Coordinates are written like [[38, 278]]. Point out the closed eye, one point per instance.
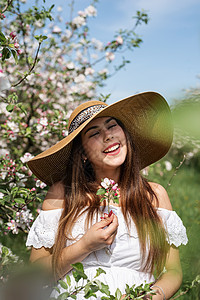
[[111, 126], [93, 134]]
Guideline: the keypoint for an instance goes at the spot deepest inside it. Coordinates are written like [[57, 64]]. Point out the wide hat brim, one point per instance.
[[146, 116]]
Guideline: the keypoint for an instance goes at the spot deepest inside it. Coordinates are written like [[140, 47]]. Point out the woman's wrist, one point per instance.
[[159, 291]]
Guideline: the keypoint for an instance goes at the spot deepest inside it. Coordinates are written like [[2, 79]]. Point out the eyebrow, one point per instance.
[[94, 127]]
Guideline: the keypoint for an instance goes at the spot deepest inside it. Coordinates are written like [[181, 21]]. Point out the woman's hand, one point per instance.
[[101, 234]]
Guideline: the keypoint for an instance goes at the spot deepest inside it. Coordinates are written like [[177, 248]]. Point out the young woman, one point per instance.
[[141, 236]]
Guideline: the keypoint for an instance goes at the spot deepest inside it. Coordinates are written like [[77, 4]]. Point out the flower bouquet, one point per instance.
[[109, 191]]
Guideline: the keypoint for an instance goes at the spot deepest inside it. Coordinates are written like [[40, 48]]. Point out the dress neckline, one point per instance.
[[111, 206]]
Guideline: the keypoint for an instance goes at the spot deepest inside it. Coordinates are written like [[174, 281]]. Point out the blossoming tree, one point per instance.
[[48, 66]]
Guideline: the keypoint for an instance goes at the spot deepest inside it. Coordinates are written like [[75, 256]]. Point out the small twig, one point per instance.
[[72, 9], [10, 208], [23, 33], [181, 294], [9, 2], [31, 69], [176, 170]]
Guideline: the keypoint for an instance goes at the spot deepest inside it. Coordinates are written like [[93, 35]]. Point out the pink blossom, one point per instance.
[[110, 56], [13, 34], [103, 71], [79, 21], [44, 121], [40, 184], [114, 188], [91, 11], [56, 29], [89, 71], [16, 45], [82, 13], [119, 40], [27, 156], [112, 181]]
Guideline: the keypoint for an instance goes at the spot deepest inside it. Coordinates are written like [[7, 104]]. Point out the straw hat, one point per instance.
[[146, 116]]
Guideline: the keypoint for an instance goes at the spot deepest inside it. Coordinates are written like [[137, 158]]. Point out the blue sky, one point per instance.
[[168, 60]]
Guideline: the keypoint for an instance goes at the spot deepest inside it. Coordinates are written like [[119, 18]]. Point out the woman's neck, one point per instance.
[[110, 174]]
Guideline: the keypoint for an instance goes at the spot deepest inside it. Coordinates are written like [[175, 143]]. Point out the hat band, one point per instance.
[[84, 115]]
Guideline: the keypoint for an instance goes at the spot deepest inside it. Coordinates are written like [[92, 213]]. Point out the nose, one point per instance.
[[107, 135]]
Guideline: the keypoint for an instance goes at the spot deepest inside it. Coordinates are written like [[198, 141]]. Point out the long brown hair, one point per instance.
[[136, 198]]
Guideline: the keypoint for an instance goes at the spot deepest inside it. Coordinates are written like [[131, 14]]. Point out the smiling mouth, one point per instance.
[[112, 148]]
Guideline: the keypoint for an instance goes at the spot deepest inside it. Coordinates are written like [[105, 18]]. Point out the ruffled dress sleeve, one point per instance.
[[176, 231], [44, 228]]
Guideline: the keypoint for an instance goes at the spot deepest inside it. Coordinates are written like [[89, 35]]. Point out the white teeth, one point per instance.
[[112, 148]]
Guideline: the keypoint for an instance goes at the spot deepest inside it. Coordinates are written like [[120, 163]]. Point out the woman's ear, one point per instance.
[[83, 158]]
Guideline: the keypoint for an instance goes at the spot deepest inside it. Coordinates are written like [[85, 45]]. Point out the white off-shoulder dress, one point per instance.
[[123, 262]]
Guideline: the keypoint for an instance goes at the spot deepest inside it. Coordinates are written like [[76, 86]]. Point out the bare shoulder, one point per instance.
[[161, 193], [55, 197]]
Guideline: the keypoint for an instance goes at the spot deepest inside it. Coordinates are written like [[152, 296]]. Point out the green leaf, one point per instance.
[[127, 290], [2, 201], [57, 289], [63, 284], [5, 251], [6, 53], [10, 107], [101, 191], [14, 53], [63, 296], [87, 288], [116, 199], [79, 271], [28, 131], [78, 266], [2, 37], [72, 296], [99, 271], [68, 280], [118, 294], [105, 289], [40, 38], [78, 275], [22, 107], [92, 291], [30, 60], [19, 200]]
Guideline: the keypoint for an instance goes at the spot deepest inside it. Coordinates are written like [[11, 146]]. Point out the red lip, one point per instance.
[[110, 146]]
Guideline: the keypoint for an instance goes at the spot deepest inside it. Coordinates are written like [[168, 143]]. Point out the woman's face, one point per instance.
[[104, 143]]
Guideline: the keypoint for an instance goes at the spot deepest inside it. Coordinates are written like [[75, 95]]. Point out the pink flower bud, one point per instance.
[[19, 51], [16, 45], [112, 181], [13, 34], [114, 188]]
